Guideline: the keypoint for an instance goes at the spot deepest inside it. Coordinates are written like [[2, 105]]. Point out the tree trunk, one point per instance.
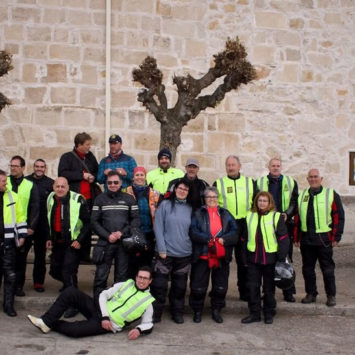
[[170, 133]]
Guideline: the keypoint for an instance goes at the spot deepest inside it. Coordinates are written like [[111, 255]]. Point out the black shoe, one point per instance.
[[19, 292], [197, 317], [290, 299], [70, 312], [268, 319], [331, 301], [309, 299], [251, 319], [10, 311], [177, 318], [216, 316]]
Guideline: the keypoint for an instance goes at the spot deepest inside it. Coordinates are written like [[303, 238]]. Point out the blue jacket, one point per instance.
[[200, 232]]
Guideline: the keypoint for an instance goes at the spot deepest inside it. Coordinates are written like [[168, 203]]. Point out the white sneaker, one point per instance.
[[38, 322]]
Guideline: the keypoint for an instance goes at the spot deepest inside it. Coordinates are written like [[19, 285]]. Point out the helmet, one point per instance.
[[285, 275], [137, 241]]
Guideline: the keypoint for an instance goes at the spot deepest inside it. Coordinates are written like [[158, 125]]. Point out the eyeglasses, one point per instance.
[[182, 189], [14, 166], [143, 278], [113, 182], [211, 197]]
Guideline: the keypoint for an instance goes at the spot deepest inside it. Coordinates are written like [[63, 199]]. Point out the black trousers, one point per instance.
[[39, 265], [240, 260], [118, 254], [324, 255], [178, 269], [141, 258], [7, 270], [72, 297], [291, 291], [199, 280], [65, 264], [261, 275], [21, 262]]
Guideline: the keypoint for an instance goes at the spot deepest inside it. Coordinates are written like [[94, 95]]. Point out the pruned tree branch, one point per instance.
[[231, 64], [5, 67]]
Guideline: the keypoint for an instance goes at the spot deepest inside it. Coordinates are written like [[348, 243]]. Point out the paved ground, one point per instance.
[[297, 329]]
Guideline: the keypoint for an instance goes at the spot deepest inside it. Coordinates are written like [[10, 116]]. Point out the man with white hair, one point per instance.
[[320, 225]]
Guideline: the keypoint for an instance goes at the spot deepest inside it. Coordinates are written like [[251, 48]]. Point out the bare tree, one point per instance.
[[5, 67], [231, 63]]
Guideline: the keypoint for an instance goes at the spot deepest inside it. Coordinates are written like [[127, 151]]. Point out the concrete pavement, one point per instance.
[[297, 328]]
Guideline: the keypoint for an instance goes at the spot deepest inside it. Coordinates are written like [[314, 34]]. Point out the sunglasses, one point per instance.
[[113, 182]]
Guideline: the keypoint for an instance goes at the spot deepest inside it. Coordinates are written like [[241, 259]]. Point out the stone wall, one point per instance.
[[301, 108]]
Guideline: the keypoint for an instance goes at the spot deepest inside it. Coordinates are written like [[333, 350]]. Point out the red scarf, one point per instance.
[[84, 187]]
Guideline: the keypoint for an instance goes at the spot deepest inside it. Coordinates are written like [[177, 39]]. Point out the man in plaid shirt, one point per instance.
[[118, 161]]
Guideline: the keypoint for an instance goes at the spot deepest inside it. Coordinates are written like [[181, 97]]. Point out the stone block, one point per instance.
[[146, 6], [29, 73], [60, 35], [79, 18], [136, 119], [197, 124], [163, 9], [56, 73], [192, 142], [54, 16], [48, 3], [117, 38], [63, 95], [9, 137], [167, 60], [94, 54], [289, 73], [162, 43], [320, 60], [293, 55], [75, 3], [51, 152], [229, 8], [88, 75], [34, 95], [92, 36], [137, 39], [123, 98], [12, 48], [13, 32], [150, 24], [270, 19], [92, 97], [341, 121], [296, 23], [48, 116], [144, 141], [189, 12], [26, 14], [65, 52], [222, 143], [287, 38], [35, 51], [176, 30], [230, 122], [194, 48], [19, 115], [39, 34], [264, 54], [333, 19], [78, 117]]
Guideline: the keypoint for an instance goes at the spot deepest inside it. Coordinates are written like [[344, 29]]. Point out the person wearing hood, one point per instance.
[[113, 216]]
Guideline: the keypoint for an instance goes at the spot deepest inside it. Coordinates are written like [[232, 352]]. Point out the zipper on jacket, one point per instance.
[[115, 309]]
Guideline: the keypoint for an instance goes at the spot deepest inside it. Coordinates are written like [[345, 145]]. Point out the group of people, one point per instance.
[[191, 230]]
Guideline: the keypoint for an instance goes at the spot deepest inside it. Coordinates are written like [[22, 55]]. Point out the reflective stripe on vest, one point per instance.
[[23, 193], [128, 304], [235, 195], [268, 224], [74, 212], [287, 185], [322, 207]]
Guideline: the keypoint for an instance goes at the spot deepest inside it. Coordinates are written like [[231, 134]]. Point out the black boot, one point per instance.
[[9, 300], [197, 317], [216, 316]]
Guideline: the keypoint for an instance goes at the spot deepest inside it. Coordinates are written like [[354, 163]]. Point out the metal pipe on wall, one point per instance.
[[108, 76]]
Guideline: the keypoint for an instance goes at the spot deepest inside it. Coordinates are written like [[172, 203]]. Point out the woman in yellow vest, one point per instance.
[[267, 243]]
